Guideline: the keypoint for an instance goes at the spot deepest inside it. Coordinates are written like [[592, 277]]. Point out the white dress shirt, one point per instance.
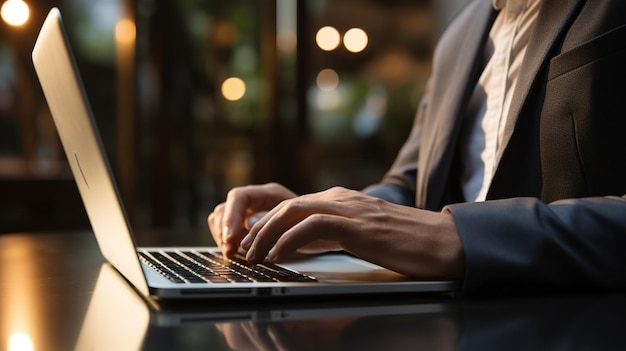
[[482, 138]]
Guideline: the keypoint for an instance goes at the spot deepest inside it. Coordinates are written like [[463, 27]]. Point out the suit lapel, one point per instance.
[[451, 91], [553, 19]]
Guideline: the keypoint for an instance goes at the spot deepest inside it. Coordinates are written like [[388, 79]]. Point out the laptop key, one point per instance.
[[205, 266], [160, 268], [266, 270]]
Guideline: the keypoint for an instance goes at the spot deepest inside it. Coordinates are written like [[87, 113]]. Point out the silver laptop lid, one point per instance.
[[64, 92]]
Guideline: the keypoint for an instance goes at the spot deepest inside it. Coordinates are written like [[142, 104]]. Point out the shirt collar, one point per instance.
[[512, 5]]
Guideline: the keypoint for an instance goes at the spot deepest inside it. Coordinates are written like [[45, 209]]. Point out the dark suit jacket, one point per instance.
[[555, 219]]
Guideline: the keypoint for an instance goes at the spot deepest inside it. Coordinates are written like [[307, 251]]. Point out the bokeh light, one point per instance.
[[15, 12], [20, 342], [327, 79], [233, 89], [355, 40], [327, 38], [125, 31]]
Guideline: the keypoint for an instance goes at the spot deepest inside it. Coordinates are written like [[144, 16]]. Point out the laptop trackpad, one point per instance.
[[344, 269]]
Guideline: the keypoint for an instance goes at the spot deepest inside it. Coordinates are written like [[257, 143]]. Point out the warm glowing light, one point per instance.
[[15, 12], [355, 40], [327, 38], [20, 342], [125, 31], [327, 80], [233, 89]]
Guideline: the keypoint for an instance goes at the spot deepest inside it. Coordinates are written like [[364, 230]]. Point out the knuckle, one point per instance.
[[290, 205], [232, 193], [272, 185], [217, 213], [239, 191], [317, 221], [337, 192]]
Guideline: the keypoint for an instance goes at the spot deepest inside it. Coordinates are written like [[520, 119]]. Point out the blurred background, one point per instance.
[[193, 97]]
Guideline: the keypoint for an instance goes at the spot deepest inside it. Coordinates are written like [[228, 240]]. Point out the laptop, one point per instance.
[[180, 272]]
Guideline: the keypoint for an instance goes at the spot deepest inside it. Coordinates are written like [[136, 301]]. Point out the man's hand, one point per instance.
[[230, 221], [407, 240]]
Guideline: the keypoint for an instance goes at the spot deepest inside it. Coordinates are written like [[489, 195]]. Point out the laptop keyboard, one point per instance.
[[195, 266]]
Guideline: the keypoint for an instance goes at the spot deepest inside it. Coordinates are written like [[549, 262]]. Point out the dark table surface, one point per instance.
[[57, 293]]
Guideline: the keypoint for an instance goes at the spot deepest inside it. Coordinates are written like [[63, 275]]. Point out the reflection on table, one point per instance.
[[56, 293], [118, 318]]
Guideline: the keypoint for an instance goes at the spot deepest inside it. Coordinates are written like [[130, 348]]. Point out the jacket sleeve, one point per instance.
[[524, 246]]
